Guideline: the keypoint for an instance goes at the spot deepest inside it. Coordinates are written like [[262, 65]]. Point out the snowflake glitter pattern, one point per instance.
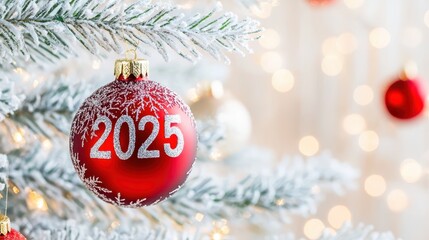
[[113, 101], [116, 95]]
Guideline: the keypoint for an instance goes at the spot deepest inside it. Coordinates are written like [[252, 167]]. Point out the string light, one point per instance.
[[96, 64], [35, 201], [375, 185], [368, 141], [411, 170], [280, 202], [313, 228], [193, 95], [283, 80], [24, 74], [397, 200], [308, 145], [270, 39], [363, 95], [271, 61], [353, 4], [199, 217], [379, 37], [220, 229], [338, 215], [18, 136], [46, 144], [354, 124], [35, 83], [332, 65]]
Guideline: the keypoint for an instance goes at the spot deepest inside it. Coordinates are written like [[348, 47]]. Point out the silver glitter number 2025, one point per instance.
[[143, 151]]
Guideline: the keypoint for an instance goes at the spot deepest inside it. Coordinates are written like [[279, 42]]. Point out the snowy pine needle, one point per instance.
[[290, 190], [71, 230], [3, 171], [44, 31], [9, 101], [52, 106]]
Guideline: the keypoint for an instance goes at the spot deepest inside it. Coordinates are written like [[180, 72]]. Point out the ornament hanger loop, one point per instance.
[[132, 51]]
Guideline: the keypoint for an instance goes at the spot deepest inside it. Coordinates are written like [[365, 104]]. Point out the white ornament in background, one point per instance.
[[229, 114]]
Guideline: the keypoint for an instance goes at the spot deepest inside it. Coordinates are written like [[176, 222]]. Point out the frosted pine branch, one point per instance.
[[52, 106], [361, 232], [4, 164], [42, 30], [65, 194], [9, 101], [290, 190], [52, 176], [54, 229]]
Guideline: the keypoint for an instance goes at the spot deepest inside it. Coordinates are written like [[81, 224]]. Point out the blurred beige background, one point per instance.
[[331, 65]]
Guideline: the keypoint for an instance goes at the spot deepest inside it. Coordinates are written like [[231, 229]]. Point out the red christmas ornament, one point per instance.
[[133, 142], [320, 2], [405, 99], [7, 233], [13, 235]]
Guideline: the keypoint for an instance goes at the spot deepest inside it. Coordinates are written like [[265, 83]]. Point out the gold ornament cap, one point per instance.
[[131, 66], [135, 67], [4, 224]]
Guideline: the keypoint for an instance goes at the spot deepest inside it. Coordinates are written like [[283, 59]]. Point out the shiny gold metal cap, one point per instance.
[[4, 224], [135, 67]]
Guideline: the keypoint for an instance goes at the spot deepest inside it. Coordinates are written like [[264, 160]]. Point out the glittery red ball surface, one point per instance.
[[13, 235], [133, 142], [320, 2], [404, 99]]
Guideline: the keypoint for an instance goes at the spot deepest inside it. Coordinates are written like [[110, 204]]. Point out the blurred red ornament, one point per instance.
[[6, 232], [320, 2], [405, 98], [133, 142], [13, 235]]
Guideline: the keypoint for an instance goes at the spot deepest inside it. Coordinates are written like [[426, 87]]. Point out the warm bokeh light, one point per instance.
[[426, 18], [18, 137], [283, 80], [199, 217], [271, 61], [270, 39], [46, 144], [329, 46], [313, 228], [379, 37], [354, 124], [280, 202], [96, 64], [193, 95], [35, 201], [308, 145], [363, 95], [346, 43], [353, 4], [397, 200], [339, 215], [412, 37], [332, 65], [368, 141], [411, 170], [375, 185]]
